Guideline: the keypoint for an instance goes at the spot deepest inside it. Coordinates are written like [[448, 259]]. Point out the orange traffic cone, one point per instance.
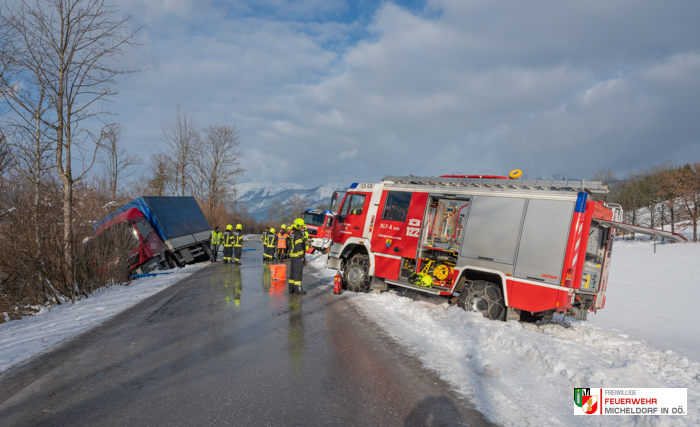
[[337, 284]]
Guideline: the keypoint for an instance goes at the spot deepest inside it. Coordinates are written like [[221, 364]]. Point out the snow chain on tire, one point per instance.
[[484, 297], [357, 273]]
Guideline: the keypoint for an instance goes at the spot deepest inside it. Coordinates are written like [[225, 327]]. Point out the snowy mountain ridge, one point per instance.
[[260, 196]]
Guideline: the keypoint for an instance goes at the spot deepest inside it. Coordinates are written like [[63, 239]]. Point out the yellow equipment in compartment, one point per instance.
[[441, 272]]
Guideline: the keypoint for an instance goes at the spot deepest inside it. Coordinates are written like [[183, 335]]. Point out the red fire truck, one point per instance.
[[511, 249], [318, 225]]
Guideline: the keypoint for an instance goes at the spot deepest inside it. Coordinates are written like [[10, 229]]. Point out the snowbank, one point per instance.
[[32, 335], [524, 374]]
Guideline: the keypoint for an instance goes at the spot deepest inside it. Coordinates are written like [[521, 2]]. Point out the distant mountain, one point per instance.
[[259, 197]]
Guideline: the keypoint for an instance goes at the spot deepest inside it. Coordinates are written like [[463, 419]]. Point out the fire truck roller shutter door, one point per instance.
[[543, 240], [493, 229]]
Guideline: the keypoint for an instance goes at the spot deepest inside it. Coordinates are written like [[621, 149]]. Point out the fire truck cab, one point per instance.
[[511, 249], [318, 225]]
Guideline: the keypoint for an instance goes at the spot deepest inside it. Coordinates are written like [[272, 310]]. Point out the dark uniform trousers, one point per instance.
[[237, 245]]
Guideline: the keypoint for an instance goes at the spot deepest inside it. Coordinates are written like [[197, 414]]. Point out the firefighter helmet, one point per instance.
[[298, 223], [239, 227], [283, 227], [272, 230], [229, 227]]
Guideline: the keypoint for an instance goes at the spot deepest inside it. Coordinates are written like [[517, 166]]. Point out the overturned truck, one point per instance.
[[511, 249], [167, 232]]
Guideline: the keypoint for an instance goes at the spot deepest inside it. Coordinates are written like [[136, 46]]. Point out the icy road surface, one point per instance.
[[524, 374], [23, 339], [228, 346]]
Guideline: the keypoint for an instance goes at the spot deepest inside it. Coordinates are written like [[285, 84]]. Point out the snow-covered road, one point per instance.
[[524, 374]]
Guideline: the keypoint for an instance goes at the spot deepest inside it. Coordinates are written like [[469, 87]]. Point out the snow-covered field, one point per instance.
[[32, 335], [655, 297], [524, 374]]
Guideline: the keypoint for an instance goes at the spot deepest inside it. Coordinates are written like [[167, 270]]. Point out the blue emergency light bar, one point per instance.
[[354, 185]]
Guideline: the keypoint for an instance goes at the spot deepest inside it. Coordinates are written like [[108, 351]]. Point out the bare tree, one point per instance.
[[25, 137], [115, 158], [690, 195], [5, 156], [216, 165], [607, 177], [181, 139], [670, 183], [297, 205], [25, 140], [73, 46]]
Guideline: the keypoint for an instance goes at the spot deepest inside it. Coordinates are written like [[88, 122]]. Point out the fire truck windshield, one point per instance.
[[314, 219]]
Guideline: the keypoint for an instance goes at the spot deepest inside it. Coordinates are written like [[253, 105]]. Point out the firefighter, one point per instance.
[[307, 240], [290, 228], [271, 244], [214, 243], [237, 239], [227, 239], [265, 236], [282, 242], [297, 253]]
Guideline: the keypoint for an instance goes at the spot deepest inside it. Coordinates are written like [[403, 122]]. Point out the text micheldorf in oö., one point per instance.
[[630, 401]]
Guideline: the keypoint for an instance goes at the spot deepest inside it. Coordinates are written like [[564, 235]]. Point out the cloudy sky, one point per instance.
[[339, 90]]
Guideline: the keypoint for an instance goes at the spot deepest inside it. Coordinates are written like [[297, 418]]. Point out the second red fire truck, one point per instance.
[[318, 225], [511, 249]]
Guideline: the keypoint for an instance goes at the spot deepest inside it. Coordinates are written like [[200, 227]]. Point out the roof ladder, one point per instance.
[[583, 185]]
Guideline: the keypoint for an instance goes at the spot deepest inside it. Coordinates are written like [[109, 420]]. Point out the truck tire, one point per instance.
[[173, 262], [206, 256], [357, 273], [484, 297]]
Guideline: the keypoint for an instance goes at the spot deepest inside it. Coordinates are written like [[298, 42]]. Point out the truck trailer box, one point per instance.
[[179, 222]]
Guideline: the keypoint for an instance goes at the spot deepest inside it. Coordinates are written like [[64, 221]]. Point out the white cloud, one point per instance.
[[348, 154], [470, 86]]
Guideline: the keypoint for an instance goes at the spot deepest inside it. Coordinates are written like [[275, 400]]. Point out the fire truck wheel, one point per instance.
[[357, 273], [484, 297]]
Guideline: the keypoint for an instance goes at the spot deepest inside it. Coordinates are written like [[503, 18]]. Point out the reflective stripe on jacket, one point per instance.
[[227, 239], [298, 249], [237, 239]]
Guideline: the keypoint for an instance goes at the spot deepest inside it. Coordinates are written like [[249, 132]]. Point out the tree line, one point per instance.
[[63, 161], [664, 195]]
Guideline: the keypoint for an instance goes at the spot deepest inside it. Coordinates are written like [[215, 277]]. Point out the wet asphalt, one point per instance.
[[228, 346]]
